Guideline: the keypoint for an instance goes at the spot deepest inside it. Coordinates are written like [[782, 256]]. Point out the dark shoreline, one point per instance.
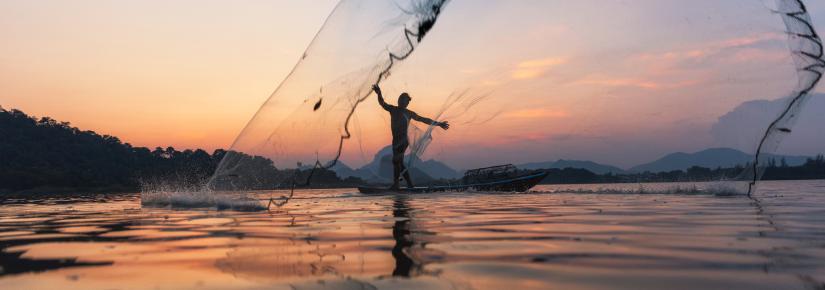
[[128, 190], [72, 190]]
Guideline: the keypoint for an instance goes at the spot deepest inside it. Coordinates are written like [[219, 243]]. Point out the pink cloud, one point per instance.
[[692, 64], [752, 54], [631, 82], [711, 49]]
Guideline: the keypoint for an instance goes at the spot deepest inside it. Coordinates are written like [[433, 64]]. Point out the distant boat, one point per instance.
[[500, 178]]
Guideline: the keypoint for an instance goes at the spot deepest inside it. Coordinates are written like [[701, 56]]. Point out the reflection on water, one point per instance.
[[331, 239], [404, 264]]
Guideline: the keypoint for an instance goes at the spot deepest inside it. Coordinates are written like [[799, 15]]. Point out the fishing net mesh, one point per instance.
[[610, 82]]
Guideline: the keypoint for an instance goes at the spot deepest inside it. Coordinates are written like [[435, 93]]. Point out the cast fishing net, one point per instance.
[[612, 82]]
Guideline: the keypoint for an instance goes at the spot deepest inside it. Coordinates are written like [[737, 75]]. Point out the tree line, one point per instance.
[[813, 168], [43, 154]]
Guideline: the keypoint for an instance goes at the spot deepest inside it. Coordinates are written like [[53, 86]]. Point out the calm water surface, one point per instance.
[[337, 239]]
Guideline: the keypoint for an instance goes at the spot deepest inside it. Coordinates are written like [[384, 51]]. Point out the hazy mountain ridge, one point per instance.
[[381, 170], [580, 164], [709, 158]]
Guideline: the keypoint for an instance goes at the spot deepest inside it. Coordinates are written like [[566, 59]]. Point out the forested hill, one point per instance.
[[47, 155]]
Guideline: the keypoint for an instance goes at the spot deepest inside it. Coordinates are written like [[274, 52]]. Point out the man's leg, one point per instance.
[[397, 163], [398, 149], [396, 173], [406, 175]]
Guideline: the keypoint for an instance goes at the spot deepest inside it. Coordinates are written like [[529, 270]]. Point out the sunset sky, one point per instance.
[[618, 82]]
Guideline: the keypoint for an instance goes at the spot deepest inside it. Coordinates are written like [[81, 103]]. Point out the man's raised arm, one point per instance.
[[381, 102], [444, 125]]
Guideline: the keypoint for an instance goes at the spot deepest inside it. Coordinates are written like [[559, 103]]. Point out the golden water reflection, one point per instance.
[[331, 239]]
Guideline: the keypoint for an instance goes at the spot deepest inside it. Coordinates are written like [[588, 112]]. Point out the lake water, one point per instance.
[[338, 239]]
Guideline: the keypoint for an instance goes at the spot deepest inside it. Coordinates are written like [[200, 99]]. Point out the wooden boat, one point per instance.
[[501, 178]]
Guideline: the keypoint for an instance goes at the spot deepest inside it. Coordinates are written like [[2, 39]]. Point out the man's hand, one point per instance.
[[444, 125], [377, 89]]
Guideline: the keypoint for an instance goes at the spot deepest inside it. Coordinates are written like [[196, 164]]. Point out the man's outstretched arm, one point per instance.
[[381, 101], [444, 125]]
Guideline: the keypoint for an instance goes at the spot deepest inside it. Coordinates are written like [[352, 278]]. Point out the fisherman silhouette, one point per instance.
[[399, 122]]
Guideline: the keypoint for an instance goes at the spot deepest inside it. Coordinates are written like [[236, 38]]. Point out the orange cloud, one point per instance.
[[749, 40], [631, 82], [530, 69], [537, 113], [618, 82]]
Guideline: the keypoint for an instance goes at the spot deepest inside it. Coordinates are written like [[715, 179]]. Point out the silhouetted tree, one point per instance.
[[47, 154]]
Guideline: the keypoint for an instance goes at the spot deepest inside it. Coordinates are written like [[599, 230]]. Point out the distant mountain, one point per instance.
[[380, 169], [710, 158], [343, 171], [437, 169], [578, 164]]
